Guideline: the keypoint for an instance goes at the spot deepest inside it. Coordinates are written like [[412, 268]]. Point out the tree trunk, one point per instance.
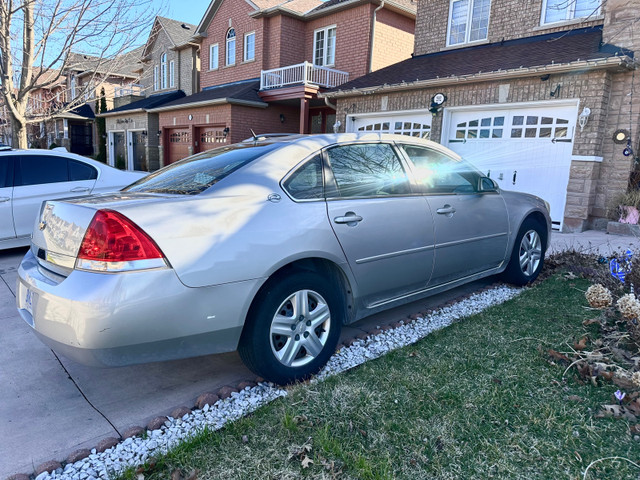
[[18, 133]]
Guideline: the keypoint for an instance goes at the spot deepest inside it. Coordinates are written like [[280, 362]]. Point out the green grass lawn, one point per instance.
[[478, 399]]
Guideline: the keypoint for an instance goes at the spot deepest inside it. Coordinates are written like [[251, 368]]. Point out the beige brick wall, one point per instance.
[[184, 65], [508, 19]]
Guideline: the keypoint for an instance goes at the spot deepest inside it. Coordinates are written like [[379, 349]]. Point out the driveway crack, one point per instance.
[[84, 396]]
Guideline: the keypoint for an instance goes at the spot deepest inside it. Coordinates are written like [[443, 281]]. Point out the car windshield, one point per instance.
[[195, 174]]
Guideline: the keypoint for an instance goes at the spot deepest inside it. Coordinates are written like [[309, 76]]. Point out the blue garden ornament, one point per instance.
[[621, 266]]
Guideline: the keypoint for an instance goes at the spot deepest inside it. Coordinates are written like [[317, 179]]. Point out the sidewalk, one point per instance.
[[593, 241]]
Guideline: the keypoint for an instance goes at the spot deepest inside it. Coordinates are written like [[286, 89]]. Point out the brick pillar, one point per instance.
[[304, 115]]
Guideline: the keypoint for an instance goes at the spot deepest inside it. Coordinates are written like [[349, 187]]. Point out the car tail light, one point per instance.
[[113, 243]]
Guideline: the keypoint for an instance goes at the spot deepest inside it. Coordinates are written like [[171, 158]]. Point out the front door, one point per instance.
[[81, 139], [385, 231], [119, 150], [138, 151], [471, 228]]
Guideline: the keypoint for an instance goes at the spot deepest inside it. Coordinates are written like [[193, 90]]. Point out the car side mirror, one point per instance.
[[488, 185]]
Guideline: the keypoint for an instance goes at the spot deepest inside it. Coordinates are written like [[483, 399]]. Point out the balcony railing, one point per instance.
[[302, 74], [132, 89]]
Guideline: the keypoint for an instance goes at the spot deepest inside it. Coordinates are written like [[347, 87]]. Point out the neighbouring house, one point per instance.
[[538, 94], [168, 69], [264, 62]]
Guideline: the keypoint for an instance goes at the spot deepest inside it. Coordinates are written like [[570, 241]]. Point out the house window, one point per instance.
[[468, 21], [324, 46], [562, 10], [213, 56], [73, 87], [231, 47], [171, 74], [250, 46], [155, 77], [163, 70]]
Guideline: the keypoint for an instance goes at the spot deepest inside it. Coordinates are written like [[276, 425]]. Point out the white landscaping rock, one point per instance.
[[134, 451]]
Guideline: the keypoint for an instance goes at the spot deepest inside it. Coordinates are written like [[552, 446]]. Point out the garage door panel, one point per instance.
[[523, 149], [179, 143]]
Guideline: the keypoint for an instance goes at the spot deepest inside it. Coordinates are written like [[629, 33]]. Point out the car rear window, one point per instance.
[[195, 174]]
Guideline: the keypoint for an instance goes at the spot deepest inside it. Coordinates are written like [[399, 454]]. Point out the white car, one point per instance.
[[30, 177]]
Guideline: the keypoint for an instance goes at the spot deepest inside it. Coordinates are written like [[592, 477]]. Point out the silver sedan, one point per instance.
[[269, 247]]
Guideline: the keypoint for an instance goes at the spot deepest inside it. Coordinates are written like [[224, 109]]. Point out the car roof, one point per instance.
[[55, 152]]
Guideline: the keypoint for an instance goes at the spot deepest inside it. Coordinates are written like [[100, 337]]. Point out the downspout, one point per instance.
[[373, 34]]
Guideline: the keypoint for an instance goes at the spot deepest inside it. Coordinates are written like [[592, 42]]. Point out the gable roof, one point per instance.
[[179, 33], [303, 9], [540, 54], [124, 65], [244, 92], [147, 103]]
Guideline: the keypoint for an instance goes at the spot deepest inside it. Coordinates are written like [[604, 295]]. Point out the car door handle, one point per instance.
[[446, 210], [79, 189], [4, 199], [349, 218]]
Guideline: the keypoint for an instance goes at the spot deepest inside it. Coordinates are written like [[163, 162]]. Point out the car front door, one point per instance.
[[385, 230], [471, 227], [46, 177], [7, 230]]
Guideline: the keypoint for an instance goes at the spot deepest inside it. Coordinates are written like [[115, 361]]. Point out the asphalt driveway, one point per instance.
[[51, 406]]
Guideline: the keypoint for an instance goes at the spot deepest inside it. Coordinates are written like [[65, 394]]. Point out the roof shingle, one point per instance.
[[537, 51]]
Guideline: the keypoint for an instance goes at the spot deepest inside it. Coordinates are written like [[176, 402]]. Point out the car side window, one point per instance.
[[368, 170], [81, 171], [306, 183], [6, 171], [439, 173], [41, 169]]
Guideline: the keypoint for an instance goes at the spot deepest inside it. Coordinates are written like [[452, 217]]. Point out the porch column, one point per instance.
[[304, 115]]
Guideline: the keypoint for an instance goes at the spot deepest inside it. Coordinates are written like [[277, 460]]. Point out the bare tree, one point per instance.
[[41, 40]]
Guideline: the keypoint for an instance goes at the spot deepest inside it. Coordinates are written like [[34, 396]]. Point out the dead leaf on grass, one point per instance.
[[558, 357], [593, 321], [581, 344], [635, 429], [615, 411], [306, 462], [623, 383], [570, 276]]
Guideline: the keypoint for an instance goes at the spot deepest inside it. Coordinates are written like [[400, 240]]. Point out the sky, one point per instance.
[[189, 11]]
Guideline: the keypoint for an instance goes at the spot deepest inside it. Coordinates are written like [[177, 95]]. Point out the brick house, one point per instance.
[[264, 62], [168, 69], [539, 95]]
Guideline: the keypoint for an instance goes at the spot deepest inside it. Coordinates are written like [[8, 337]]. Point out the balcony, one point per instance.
[[302, 74], [131, 89]]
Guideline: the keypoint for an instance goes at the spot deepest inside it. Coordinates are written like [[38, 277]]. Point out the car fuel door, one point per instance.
[[384, 229]]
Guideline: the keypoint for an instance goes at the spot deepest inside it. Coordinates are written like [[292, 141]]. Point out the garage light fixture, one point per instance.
[[225, 132], [584, 117]]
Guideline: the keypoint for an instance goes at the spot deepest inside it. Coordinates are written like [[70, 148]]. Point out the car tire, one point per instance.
[[292, 328], [527, 256]]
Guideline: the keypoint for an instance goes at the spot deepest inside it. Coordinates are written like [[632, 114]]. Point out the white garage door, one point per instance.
[[412, 124], [524, 149]]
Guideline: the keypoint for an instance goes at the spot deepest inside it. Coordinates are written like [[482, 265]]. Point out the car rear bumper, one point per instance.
[[136, 317]]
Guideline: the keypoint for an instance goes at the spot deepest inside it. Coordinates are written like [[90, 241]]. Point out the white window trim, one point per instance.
[[326, 37], [73, 87], [211, 56], [467, 31], [172, 80], [244, 56], [163, 71], [226, 50], [155, 77], [570, 8]]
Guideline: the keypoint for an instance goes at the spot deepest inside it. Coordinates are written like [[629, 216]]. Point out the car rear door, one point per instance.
[[7, 230], [385, 230], [471, 227], [46, 177]]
